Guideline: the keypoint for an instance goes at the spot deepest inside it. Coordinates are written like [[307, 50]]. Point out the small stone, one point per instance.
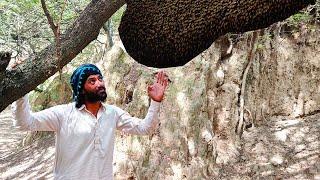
[[243, 158], [276, 160]]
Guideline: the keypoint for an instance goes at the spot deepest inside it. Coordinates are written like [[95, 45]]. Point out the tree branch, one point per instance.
[[56, 29], [35, 71], [49, 18]]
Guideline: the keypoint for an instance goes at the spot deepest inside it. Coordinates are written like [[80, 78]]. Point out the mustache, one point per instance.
[[101, 88]]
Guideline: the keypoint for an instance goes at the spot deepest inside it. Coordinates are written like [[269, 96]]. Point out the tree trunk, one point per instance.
[[34, 71]]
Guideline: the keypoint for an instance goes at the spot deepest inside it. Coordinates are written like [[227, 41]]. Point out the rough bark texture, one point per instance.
[[36, 70], [4, 60], [167, 33]]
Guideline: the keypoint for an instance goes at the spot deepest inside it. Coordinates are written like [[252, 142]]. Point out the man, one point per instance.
[[85, 129]]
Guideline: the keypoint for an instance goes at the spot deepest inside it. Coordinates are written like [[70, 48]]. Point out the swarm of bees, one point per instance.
[[169, 33]]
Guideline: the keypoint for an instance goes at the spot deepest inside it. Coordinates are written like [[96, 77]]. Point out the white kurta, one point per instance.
[[84, 143]]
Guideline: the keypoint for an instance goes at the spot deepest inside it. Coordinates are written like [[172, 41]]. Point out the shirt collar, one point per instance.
[[103, 105], [82, 107]]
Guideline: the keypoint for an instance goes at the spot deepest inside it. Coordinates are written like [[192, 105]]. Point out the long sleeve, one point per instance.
[[46, 120], [132, 125]]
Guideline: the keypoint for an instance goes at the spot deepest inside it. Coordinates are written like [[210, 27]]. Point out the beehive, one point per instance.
[[167, 33]]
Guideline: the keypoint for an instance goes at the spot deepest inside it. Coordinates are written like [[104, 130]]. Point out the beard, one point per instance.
[[99, 95]]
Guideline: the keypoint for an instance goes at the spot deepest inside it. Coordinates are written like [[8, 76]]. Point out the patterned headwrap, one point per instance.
[[78, 80]]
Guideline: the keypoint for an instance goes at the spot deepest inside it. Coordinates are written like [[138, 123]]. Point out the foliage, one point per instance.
[[24, 29], [309, 17], [116, 18], [299, 18]]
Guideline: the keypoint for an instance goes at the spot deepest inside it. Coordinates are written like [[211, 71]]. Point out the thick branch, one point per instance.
[[35, 71]]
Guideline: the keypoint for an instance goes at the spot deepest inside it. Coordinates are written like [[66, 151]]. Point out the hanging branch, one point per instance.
[[244, 80], [56, 30]]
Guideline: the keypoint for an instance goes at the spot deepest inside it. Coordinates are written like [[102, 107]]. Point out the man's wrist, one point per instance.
[[155, 102]]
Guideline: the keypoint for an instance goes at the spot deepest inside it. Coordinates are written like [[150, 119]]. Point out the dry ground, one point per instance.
[[283, 148]]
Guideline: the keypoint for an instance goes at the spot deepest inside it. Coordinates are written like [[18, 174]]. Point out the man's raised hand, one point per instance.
[[157, 89]]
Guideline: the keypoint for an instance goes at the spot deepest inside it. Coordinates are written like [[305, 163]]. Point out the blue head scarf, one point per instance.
[[78, 80]]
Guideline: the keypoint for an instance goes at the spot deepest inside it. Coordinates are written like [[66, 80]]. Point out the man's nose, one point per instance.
[[100, 83]]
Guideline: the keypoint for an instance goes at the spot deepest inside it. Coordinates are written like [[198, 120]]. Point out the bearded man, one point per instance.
[[85, 129]]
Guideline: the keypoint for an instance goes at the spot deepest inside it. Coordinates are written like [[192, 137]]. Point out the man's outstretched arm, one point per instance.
[[132, 125], [46, 120]]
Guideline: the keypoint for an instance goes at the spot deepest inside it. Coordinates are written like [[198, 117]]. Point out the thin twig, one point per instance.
[[56, 28], [49, 18]]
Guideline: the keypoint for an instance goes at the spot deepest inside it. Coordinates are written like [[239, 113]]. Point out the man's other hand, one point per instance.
[[157, 89]]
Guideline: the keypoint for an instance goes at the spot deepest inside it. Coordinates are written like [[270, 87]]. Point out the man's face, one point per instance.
[[94, 89]]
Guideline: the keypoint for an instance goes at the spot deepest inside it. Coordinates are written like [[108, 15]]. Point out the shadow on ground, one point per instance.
[[34, 161]]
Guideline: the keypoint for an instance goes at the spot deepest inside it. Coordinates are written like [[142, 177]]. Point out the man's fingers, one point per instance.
[[165, 79], [161, 77], [158, 77], [165, 83]]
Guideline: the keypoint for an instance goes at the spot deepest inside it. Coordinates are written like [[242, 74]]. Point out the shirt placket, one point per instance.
[[97, 138]]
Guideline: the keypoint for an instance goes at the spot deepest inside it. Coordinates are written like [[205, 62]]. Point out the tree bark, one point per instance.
[[34, 71], [4, 60]]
